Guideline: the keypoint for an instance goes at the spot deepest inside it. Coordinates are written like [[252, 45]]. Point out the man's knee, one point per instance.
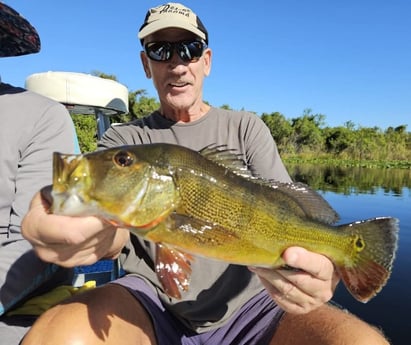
[[108, 314], [327, 325]]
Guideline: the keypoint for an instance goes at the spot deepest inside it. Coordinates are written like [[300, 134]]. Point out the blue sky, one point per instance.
[[348, 60]]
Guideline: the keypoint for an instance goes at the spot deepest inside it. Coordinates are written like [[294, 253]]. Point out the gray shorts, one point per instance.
[[253, 324]]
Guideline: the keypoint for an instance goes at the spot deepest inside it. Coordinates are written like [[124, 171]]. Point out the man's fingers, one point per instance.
[[315, 264]]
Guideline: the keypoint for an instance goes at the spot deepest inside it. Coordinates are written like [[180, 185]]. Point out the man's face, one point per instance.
[[179, 84]]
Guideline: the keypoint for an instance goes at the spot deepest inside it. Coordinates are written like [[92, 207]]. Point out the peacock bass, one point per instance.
[[205, 203]]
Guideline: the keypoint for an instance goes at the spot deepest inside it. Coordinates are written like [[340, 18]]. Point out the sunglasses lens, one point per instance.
[[159, 51], [188, 51]]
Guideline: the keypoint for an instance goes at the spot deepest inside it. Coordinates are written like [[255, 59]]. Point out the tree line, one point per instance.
[[304, 138], [307, 137]]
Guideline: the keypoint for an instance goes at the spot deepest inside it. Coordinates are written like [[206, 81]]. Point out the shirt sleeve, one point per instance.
[[262, 153], [54, 131]]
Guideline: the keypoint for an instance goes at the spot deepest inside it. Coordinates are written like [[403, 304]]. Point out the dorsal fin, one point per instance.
[[226, 157], [312, 204]]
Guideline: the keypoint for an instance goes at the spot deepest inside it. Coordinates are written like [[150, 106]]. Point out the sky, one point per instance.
[[347, 60]]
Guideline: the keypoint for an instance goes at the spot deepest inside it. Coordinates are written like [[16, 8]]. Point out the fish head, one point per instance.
[[115, 184]]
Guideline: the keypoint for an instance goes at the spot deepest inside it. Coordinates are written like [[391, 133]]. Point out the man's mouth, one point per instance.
[[179, 84]]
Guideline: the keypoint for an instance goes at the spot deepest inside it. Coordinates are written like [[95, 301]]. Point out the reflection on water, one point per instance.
[[351, 180], [361, 193]]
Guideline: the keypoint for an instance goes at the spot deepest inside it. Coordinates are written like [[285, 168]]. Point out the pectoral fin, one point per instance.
[[173, 269]]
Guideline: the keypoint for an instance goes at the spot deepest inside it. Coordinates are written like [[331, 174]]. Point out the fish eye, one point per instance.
[[123, 158]]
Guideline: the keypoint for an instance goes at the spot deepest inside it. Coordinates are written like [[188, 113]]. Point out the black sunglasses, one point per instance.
[[188, 51]]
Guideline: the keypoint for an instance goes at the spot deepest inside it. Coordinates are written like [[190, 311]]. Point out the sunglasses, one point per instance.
[[188, 51]]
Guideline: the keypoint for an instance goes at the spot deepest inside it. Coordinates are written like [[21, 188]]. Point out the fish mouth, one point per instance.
[[66, 194], [61, 202], [69, 204]]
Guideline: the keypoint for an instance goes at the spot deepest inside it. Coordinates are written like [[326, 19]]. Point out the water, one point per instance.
[[366, 193]]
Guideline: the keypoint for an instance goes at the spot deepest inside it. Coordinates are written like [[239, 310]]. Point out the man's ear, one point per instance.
[[207, 62], [144, 61]]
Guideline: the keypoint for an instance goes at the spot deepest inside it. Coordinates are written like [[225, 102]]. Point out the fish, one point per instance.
[[207, 203]]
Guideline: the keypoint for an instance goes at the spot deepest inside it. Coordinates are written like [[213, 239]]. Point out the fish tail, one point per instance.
[[374, 246]]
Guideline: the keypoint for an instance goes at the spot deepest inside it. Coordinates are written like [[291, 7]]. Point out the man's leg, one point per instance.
[[105, 315], [328, 325]]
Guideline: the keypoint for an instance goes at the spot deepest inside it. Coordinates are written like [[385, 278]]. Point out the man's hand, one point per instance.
[[70, 241], [303, 289]]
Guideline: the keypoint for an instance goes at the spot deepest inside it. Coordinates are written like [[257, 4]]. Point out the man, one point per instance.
[[31, 128], [225, 304]]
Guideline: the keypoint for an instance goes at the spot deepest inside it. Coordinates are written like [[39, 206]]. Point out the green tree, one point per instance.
[[397, 142], [307, 132], [338, 139], [367, 144], [139, 105], [143, 105], [225, 106], [86, 132], [280, 129]]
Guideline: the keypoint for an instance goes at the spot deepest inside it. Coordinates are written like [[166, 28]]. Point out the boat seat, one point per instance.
[[82, 94]]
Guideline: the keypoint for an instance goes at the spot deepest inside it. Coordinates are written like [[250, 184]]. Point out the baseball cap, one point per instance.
[[17, 35], [172, 15]]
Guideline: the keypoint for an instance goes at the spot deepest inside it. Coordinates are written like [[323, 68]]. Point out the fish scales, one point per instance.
[[245, 209]]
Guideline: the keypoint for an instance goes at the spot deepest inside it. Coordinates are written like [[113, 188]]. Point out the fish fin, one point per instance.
[[227, 158], [173, 269], [312, 204], [375, 244]]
